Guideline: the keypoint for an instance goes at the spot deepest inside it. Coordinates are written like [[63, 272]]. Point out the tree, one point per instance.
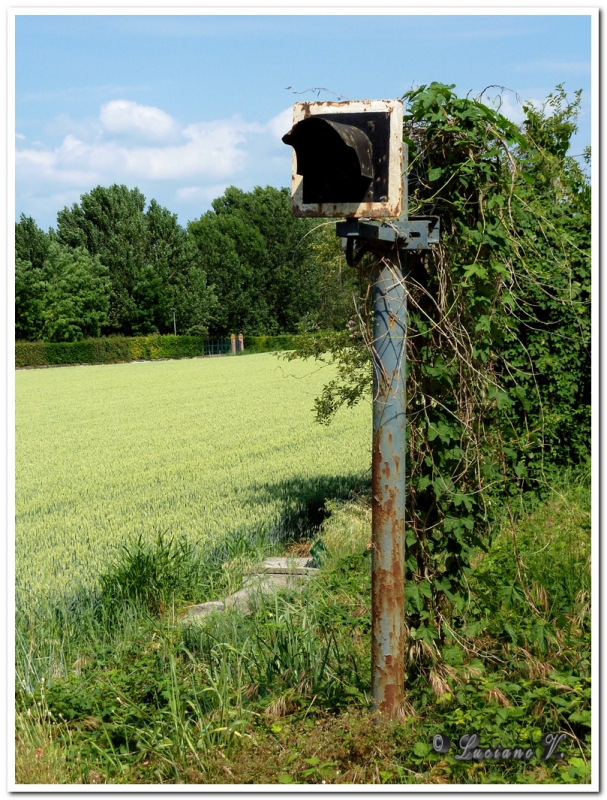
[[337, 286], [28, 301], [31, 248], [110, 223], [152, 264], [234, 260], [31, 242], [255, 255], [75, 296]]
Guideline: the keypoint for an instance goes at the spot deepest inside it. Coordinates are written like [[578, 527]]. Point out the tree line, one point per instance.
[[114, 266]]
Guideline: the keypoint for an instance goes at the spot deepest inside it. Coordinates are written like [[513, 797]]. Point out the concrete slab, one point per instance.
[[276, 574], [204, 609], [283, 565]]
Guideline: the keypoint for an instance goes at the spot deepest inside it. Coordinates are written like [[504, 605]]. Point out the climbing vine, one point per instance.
[[498, 333]]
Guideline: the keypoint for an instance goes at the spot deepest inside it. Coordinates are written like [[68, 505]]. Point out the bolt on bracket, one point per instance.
[[359, 235]]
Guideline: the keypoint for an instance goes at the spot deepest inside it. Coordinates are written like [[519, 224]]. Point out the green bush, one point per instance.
[[111, 350], [267, 344], [118, 349]]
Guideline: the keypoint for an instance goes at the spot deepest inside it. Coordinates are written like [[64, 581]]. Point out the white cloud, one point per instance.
[[281, 123], [191, 165], [127, 117], [45, 167], [20, 136], [87, 129], [211, 150], [511, 106]]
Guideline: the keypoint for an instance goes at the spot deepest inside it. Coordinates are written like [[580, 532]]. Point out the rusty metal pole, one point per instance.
[[388, 539]]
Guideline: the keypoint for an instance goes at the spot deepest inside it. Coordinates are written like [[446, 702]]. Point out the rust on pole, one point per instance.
[[388, 484]]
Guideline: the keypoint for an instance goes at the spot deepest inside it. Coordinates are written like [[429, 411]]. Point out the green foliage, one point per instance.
[[75, 297], [64, 300], [153, 266], [110, 223], [498, 332], [269, 344], [110, 350], [28, 300], [547, 356], [31, 248], [247, 267], [254, 253], [337, 287], [31, 243], [118, 349]]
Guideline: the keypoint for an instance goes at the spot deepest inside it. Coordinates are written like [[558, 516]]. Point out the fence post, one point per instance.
[[233, 342], [241, 342]]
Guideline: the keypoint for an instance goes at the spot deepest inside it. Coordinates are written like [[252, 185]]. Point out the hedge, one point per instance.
[[268, 344], [120, 349], [113, 350]]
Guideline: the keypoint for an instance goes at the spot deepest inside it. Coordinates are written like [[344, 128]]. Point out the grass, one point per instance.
[[137, 499], [282, 695], [201, 450]]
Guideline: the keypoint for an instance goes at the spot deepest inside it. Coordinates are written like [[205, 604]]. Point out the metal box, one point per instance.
[[348, 159]]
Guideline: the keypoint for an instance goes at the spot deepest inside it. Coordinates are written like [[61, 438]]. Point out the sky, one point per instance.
[[183, 106]]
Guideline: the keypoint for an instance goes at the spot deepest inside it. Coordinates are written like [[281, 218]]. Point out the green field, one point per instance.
[[202, 448]]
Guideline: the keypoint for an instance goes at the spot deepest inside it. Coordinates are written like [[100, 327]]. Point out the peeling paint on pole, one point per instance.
[[388, 541]]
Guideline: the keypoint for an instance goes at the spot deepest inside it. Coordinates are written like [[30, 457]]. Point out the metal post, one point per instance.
[[174, 322], [388, 504]]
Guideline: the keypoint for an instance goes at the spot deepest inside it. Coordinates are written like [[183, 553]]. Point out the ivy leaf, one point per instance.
[[421, 749], [412, 594], [583, 717], [423, 482], [475, 269]]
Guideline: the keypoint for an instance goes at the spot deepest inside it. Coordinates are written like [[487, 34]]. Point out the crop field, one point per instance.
[[199, 448]]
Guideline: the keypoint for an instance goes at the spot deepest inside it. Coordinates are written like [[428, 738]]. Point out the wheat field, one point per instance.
[[200, 448]]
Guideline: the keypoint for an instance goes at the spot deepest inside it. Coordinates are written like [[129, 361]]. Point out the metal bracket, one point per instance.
[[358, 236]]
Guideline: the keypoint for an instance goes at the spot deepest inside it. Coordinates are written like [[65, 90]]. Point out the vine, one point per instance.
[[498, 335]]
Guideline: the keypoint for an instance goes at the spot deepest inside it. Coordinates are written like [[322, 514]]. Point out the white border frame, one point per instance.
[[12, 8], [393, 206]]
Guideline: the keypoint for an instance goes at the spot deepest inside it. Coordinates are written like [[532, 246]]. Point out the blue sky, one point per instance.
[[183, 106]]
